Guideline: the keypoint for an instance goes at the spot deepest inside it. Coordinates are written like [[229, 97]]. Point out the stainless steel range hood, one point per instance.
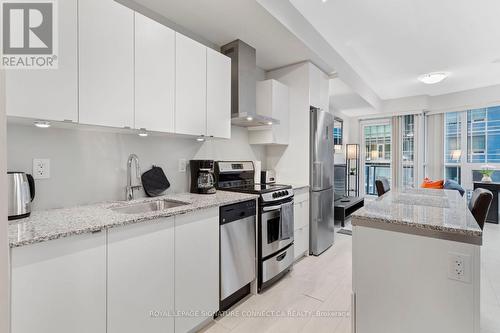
[[243, 86]]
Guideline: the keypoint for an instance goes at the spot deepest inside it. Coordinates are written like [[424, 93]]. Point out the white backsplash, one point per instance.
[[90, 167]]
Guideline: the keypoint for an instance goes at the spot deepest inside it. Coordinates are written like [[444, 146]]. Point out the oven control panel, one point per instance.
[[277, 195]]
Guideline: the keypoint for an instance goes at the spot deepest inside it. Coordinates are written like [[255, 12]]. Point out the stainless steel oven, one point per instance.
[[275, 251], [270, 223]]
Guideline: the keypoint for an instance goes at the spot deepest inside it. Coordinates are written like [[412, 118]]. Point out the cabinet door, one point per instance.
[[319, 86], [154, 75], [280, 111], [190, 86], [49, 94], [59, 286], [141, 277], [218, 95], [301, 242], [106, 70], [196, 267], [301, 211]]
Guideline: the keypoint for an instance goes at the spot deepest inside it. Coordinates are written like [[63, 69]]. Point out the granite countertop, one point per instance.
[[56, 223], [298, 187], [434, 213]]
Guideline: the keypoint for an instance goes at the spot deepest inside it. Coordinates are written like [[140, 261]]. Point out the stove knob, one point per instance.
[[286, 193], [275, 195], [282, 193]]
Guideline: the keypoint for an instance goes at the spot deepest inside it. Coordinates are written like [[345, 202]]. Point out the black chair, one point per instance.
[[479, 205], [383, 186]]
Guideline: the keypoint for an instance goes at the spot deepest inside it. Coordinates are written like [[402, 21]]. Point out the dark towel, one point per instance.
[[286, 221]]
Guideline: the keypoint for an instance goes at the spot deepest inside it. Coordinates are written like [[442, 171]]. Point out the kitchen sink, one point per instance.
[[147, 207]]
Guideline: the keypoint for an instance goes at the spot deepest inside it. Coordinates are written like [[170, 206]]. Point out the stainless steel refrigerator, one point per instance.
[[321, 180]]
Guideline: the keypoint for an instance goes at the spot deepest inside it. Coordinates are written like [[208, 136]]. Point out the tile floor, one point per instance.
[[323, 284]]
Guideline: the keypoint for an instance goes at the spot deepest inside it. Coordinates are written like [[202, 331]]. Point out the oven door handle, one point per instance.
[[267, 209]]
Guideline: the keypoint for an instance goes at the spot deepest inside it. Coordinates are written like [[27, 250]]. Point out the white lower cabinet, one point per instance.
[[129, 279], [141, 277], [59, 286], [301, 224], [196, 268], [301, 242]]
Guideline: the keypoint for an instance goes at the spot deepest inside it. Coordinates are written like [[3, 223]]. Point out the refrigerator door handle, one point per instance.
[[318, 175]]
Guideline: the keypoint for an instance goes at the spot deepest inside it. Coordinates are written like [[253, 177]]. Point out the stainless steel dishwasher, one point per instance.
[[237, 252]]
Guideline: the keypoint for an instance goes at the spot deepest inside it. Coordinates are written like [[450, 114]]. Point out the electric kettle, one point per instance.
[[21, 192]]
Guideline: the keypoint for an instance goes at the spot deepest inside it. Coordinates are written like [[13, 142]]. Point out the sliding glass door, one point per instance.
[[376, 154]]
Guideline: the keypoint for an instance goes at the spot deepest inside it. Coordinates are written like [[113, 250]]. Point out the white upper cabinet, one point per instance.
[[50, 94], [106, 71], [272, 101], [154, 75], [319, 85], [190, 86], [218, 94], [141, 277]]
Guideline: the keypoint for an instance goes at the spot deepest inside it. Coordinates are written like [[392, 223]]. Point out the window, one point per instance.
[[408, 150], [377, 154], [338, 129], [338, 134], [472, 139], [483, 135], [453, 146]]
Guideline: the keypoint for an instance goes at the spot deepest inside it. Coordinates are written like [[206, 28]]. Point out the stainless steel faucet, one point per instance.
[[130, 188]]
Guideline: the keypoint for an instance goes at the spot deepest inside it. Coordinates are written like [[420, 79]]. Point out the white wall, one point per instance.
[[89, 167], [4, 249], [292, 162]]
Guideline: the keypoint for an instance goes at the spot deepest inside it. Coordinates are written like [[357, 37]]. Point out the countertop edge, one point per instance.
[[133, 220], [462, 236]]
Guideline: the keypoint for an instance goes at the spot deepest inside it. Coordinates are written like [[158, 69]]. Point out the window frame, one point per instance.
[[362, 125]]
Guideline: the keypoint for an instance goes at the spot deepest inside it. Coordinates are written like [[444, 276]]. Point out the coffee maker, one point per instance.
[[202, 176]]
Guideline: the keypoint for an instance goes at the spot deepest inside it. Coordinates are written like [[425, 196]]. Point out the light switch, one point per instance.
[[182, 165]]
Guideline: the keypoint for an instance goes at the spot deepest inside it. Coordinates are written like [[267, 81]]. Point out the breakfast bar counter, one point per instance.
[[433, 213], [416, 264]]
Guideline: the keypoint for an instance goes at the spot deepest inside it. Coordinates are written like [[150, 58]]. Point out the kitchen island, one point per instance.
[[416, 264]]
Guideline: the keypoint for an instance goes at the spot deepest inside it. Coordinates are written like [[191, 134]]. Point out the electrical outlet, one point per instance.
[[459, 267], [182, 165], [41, 168]]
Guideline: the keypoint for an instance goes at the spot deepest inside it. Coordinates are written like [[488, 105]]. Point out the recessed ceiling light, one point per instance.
[[249, 118], [270, 123], [324, 1], [143, 133], [432, 78], [42, 124]]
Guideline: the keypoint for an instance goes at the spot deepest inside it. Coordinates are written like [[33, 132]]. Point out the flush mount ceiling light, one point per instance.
[[200, 139], [269, 122], [42, 124], [143, 133], [432, 78], [249, 118]]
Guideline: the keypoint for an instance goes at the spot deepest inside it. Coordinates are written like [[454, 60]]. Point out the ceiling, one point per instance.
[[390, 43], [222, 21]]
